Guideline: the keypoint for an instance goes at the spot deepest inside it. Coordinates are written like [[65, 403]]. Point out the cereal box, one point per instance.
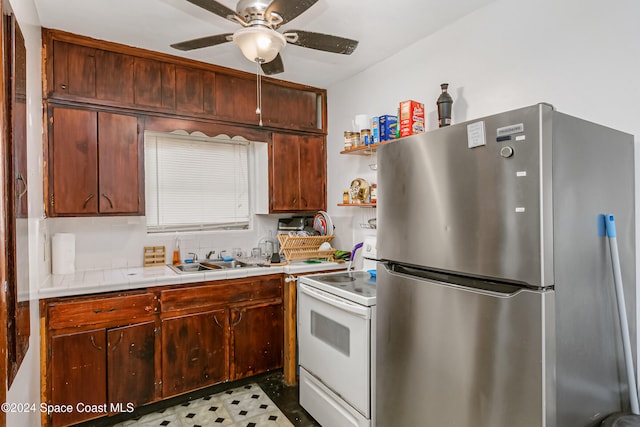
[[411, 118], [388, 126]]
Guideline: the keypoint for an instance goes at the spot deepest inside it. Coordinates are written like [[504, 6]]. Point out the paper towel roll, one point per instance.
[[63, 250]]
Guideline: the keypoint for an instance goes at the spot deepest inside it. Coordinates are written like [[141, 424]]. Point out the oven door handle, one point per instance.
[[337, 302]]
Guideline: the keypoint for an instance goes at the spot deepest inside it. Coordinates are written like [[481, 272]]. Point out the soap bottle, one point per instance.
[[176, 253]]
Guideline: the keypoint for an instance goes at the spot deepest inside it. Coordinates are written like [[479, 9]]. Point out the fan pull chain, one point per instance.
[[259, 91]]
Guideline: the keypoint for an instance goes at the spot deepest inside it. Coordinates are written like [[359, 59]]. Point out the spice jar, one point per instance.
[[373, 193], [365, 136], [345, 197], [348, 140]]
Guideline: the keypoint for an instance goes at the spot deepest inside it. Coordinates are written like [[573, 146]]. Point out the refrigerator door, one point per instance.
[[454, 356], [477, 210]]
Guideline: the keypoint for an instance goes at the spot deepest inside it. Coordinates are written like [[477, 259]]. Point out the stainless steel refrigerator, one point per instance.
[[496, 301]]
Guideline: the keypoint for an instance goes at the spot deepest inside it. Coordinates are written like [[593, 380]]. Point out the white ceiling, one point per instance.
[[381, 27]]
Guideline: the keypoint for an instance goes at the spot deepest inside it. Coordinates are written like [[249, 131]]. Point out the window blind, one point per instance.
[[195, 183]]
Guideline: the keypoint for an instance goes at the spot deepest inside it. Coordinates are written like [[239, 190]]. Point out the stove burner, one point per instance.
[[338, 279]]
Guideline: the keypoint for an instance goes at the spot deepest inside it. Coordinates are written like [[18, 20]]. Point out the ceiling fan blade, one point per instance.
[[202, 42], [219, 9], [325, 42], [273, 67], [288, 9]]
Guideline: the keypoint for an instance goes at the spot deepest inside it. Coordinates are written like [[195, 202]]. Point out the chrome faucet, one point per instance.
[[194, 257], [210, 253]]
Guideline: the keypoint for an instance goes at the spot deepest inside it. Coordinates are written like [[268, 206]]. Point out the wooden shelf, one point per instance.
[[359, 205], [366, 150]]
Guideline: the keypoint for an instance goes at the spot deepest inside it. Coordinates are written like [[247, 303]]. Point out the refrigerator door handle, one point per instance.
[[501, 290], [337, 302]]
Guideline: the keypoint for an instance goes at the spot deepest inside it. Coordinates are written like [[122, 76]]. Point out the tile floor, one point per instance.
[[244, 406], [261, 401]]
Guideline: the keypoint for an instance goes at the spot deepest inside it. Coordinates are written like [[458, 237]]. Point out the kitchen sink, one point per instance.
[[209, 265]]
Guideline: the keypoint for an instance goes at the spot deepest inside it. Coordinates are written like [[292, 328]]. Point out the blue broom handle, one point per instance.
[[622, 312]]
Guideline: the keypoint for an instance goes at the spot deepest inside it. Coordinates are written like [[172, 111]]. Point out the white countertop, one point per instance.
[[122, 279]]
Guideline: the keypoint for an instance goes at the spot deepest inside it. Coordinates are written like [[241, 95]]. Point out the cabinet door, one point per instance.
[[78, 374], [285, 173], [195, 91], [74, 70], [313, 173], [236, 99], [257, 335], [131, 364], [194, 353], [154, 84], [290, 108], [119, 157], [73, 161], [114, 77]]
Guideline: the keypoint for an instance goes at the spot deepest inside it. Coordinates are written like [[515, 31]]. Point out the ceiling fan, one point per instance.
[[258, 38]]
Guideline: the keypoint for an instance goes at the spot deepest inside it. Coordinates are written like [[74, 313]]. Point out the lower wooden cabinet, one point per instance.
[[257, 337], [102, 371], [193, 351], [111, 353], [102, 355]]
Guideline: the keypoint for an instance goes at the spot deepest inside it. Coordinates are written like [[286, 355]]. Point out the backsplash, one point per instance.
[[118, 242]]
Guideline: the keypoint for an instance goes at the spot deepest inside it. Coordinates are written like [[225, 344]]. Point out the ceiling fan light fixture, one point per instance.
[[259, 44]]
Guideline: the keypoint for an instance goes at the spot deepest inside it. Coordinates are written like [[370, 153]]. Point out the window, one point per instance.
[[195, 182]]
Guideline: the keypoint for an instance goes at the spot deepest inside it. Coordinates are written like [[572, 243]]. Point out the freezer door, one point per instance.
[[454, 356], [447, 204]]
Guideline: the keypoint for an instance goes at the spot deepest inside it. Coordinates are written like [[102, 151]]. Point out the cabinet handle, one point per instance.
[[97, 310], [84, 205], [93, 343], [215, 318], [63, 86], [239, 319], [23, 192], [113, 347], [108, 200]]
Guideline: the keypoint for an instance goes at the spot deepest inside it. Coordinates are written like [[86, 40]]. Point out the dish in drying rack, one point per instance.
[[322, 223]]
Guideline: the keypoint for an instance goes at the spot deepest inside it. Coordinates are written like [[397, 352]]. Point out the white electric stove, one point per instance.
[[336, 337]]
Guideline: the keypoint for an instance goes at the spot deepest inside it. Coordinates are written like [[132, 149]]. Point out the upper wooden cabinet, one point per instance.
[[95, 163], [85, 70], [298, 172]]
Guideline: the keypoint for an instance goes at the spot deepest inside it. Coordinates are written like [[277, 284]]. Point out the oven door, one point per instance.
[[334, 337]]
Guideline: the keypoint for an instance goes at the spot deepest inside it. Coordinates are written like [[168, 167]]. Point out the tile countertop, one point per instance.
[[122, 279]]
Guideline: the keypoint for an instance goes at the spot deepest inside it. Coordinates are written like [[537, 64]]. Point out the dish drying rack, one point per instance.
[[304, 247]]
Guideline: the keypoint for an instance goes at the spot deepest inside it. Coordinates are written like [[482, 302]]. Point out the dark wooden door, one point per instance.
[[74, 164], [74, 70], [285, 173], [131, 364], [236, 99], [313, 173], [257, 335], [79, 374], [154, 83], [194, 351], [114, 77], [119, 156], [289, 108]]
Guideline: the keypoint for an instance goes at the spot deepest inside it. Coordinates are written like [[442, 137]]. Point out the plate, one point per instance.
[[322, 223]]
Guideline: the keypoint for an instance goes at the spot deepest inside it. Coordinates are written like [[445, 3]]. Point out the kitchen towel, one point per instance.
[[63, 253]]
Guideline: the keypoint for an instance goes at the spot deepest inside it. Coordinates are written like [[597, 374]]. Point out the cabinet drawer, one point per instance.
[[213, 294], [89, 312]]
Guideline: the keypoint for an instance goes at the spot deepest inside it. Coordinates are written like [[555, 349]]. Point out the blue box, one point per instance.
[[375, 129], [388, 127]]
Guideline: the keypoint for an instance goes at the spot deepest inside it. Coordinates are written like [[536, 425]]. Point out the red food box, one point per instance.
[[411, 120]]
